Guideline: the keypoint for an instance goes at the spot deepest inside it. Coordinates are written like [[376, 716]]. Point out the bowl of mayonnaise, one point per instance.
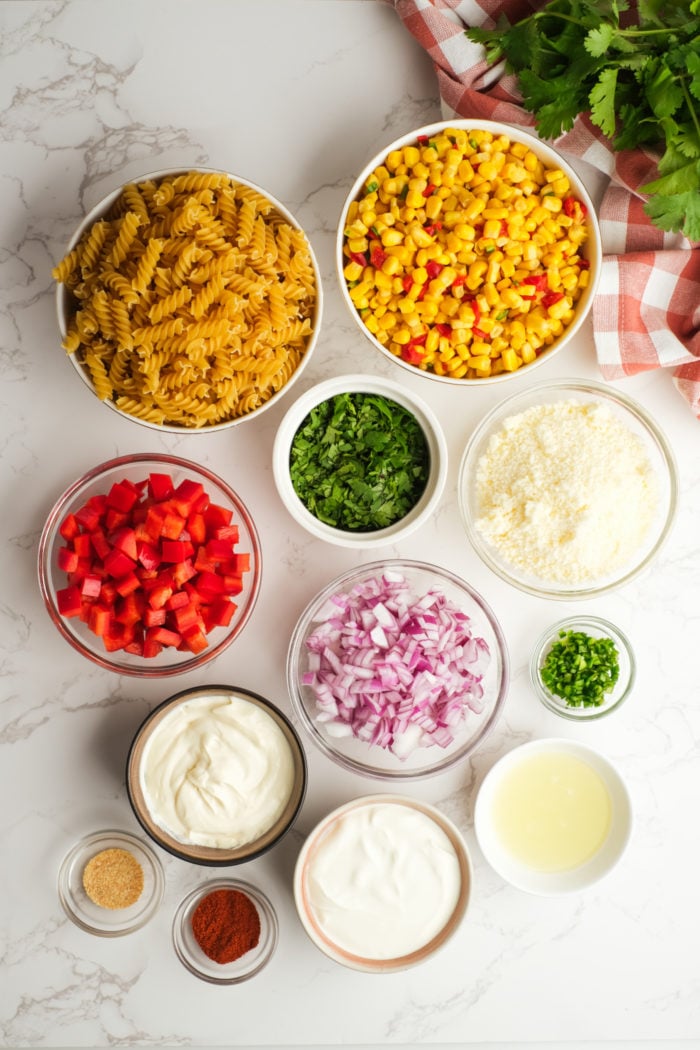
[[382, 883], [216, 775]]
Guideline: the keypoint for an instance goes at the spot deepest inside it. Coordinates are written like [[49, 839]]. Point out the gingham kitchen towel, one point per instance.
[[647, 311]]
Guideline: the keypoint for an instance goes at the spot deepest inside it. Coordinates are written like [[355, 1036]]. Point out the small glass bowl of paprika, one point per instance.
[[582, 668], [225, 931]]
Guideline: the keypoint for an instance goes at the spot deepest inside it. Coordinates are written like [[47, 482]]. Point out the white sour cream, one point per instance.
[[382, 881], [217, 771]]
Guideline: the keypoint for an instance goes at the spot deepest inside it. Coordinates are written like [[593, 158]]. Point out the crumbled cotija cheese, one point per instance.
[[565, 492]]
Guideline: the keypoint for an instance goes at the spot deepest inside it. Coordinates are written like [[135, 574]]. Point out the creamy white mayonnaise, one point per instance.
[[383, 880], [217, 771]]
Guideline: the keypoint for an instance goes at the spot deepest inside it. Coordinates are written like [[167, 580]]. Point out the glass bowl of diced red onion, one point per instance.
[[398, 669], [149, 565]]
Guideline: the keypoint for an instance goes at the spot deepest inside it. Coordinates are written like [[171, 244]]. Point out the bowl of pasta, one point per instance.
[[468, 251], [189, 300]]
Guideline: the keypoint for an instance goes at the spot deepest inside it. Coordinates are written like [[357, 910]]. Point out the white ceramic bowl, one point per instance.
[[591, 252], [547, 823], [381, 760], [378, 911], [390, 391], [624, 413], [66, 306]]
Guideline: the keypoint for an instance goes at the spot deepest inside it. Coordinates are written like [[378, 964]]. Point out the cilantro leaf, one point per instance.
[[602, 100]]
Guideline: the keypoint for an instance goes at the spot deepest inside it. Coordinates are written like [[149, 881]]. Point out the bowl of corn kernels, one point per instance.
[[468, 250]]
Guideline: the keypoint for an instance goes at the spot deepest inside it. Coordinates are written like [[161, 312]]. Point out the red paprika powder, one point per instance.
[[226, 925]]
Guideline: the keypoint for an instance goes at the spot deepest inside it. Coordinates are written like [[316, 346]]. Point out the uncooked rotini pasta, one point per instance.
[[191, 302]]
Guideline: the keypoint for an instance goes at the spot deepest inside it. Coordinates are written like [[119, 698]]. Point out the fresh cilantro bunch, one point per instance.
[[635, 69]]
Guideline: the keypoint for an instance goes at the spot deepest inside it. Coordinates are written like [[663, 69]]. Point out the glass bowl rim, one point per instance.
[[558, 706], [259, 898], [218, 858], [360, 383], [553, 157], [126, 840], [49, 537], [101, 207], [594, 389], [362, 768]]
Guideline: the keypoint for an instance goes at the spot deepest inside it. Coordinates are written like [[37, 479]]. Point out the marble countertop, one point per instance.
[[295, 95]]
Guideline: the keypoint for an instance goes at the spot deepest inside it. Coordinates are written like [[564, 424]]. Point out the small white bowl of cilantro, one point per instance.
[[360, 461]]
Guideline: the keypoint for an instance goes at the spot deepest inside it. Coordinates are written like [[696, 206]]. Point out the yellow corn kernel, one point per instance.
[[528, 354], [402, 252], [458, 371], [510, 360], [387, 321], [353, 271], [433, 207], [474, 208], [420, 237], [358, 244], [391, 237], [481, 362], [493, 272], [411, 155], [551, 203], [372, 324], [559, 310], [383, 280], [391, 265], [492, 228]]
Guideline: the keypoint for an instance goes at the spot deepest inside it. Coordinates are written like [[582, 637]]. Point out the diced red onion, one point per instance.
[[396, 670]]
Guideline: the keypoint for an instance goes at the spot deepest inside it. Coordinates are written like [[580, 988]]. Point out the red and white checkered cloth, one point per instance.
[[647, 311]]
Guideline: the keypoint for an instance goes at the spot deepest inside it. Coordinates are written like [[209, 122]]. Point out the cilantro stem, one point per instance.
[[689, 103]]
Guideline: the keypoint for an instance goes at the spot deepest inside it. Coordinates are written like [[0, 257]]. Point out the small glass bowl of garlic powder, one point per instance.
[[568, 489]]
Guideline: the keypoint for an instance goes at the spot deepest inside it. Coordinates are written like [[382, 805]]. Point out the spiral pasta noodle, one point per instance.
[[192, 301]]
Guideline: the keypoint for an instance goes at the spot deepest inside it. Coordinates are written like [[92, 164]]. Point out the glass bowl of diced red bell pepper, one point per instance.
[[149, 565]]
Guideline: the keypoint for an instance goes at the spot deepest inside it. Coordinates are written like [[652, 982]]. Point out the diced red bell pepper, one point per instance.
[[131, 572], [195, 640], [147, 554], [91, 586], [124, 539], [69, 601], [67, 559], [127, 584], [69, 527], [122, 495], [186, 495], [100, 620], [175, 550], [117, 563], [551, 298], [377, 257], [160, 486], [433, 268]]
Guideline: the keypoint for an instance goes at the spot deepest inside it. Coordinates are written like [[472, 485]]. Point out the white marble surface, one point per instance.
[[296, 95]]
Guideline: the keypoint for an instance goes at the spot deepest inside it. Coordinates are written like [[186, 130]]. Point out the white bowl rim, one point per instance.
[[593, 388], [372, 384], [391, 798], [553, 157], [102, 206], [546, 884]]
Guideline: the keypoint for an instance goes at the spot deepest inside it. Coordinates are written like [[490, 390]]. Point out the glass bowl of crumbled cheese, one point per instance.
[[568, 489]]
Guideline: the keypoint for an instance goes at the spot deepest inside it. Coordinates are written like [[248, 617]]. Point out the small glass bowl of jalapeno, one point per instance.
[[582, 668]]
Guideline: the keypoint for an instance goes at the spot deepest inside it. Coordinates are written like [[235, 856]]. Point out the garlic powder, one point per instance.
[[566, 492]]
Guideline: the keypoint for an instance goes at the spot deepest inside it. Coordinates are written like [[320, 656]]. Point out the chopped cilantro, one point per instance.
[[633, 68], [359, 462]]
